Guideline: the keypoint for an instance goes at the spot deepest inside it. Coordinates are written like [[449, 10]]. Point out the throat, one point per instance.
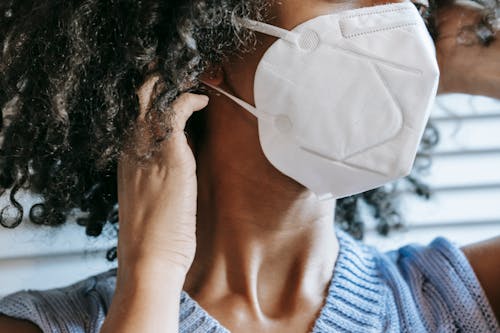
[[265, 278], [266, 246]]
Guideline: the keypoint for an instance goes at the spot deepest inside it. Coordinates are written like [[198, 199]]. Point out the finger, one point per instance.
[[145, 94], [143, 133], [185, 105]]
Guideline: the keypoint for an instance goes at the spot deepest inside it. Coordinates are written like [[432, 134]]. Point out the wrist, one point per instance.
[[175, 259], [149, 275]]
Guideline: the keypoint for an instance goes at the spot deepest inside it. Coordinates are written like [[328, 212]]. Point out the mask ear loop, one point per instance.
[[271, 30], [268, 29], [250, 108]]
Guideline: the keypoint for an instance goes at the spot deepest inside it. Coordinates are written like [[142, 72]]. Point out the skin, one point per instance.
[[255, 175], [465, 68], [220, 231]]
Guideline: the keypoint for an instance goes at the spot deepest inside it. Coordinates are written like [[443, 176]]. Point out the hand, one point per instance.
[[157, 201], [466, 65]]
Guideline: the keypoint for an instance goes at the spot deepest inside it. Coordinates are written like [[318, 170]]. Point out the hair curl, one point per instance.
[[69, 71]]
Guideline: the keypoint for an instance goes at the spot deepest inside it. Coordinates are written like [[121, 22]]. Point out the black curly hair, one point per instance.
[[69, 71]]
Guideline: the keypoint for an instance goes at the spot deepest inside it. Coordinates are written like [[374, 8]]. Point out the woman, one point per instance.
[[265, 256]]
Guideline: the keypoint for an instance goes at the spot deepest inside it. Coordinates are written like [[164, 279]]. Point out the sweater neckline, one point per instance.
[[354, 298]]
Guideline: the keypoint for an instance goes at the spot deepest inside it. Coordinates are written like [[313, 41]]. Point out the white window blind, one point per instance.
[[466, 207], [465, 177]]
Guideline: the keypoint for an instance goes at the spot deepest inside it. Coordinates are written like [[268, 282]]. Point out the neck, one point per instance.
[[259, 233]]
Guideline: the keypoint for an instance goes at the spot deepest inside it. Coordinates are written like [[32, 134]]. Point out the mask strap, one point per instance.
[[250, 108], [268, 29]]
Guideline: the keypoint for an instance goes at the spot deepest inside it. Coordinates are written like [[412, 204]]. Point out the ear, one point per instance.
[[213, 75]]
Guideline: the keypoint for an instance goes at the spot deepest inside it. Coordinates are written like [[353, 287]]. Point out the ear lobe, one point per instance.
[[213, 75]]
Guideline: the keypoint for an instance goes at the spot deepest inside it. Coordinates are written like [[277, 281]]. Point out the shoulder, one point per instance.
[[79, 307], [436, 284], [9, 324], [484, 258]]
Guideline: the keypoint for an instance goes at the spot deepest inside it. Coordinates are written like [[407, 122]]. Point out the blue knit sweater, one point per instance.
[[413, 289]]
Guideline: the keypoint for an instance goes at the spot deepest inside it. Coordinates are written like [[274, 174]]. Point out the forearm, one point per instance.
[[467, 65], [145, 301], [476, 72]]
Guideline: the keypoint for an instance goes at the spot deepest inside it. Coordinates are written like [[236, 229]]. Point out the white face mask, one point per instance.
[[342, 100]]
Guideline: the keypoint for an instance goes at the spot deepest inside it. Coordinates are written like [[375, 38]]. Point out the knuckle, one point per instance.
[[183, 102]]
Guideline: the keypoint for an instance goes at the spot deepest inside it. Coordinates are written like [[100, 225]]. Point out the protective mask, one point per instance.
[[342, 100]]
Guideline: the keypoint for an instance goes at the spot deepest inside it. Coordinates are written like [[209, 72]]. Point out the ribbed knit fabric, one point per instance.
[[414, 289]]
